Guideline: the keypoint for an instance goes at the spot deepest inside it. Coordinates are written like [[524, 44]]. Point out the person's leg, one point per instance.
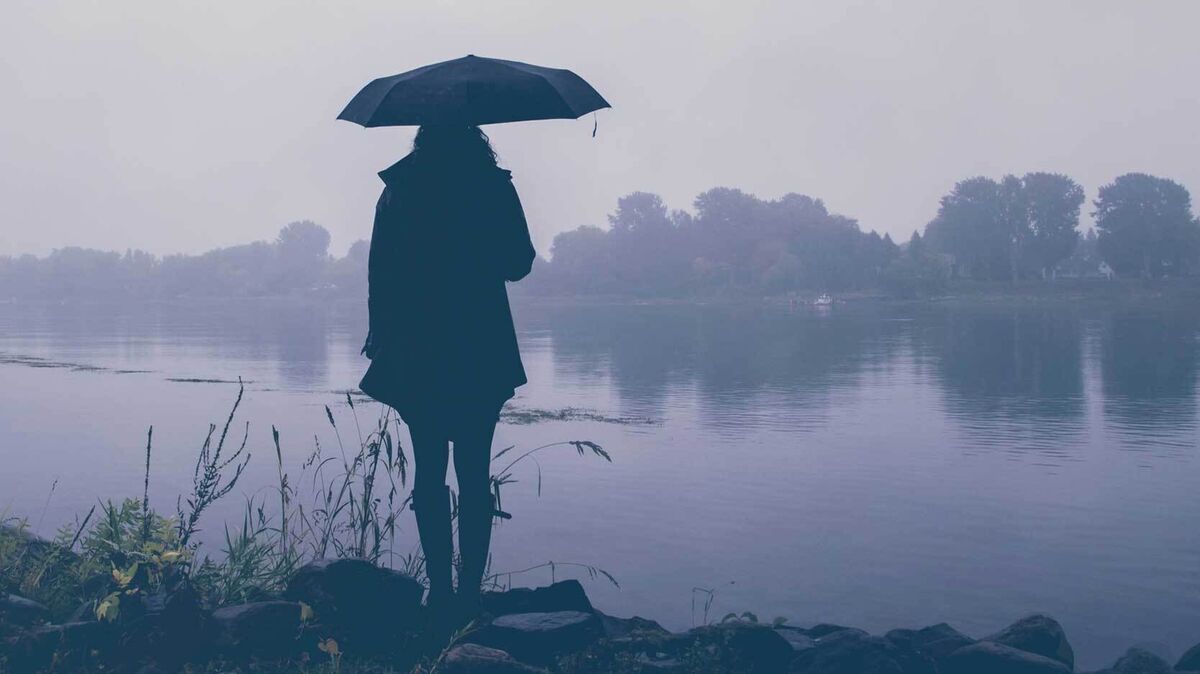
[[431, 505], [472, 461]]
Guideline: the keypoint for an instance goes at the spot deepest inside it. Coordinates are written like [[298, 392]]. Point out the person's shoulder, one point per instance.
[[396, 173], [498, 173]]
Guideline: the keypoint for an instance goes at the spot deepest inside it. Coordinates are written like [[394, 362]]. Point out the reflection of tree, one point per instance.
[[1149, 365], [236, 336], [1021, 366], [645, 350], [729, 355]]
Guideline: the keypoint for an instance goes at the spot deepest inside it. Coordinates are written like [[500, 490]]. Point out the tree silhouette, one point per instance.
[[1146, 226]]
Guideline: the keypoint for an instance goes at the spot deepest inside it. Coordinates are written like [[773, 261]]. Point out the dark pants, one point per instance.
[[431, 502]]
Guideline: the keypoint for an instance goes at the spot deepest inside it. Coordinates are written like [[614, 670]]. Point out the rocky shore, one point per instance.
[[349, 615]]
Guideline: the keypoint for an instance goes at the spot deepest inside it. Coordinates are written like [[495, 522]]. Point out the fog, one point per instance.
[[182, 126]]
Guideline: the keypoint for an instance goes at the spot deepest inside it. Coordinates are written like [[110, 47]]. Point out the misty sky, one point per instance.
[[185, 125]]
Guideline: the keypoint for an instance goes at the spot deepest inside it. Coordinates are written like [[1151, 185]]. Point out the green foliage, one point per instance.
[[297, 262], [33, 567], [121, 550], [916, 271], [1008, 230], [138, 549], [1146, 227], [734, 243]]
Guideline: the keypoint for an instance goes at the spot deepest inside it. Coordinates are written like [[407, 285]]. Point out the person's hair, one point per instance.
[[453, 145]]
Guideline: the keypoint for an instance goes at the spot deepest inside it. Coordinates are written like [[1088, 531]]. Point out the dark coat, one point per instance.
[[441, 335]]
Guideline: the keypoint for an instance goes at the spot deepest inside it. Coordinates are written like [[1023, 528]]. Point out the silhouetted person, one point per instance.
[[449, 231]]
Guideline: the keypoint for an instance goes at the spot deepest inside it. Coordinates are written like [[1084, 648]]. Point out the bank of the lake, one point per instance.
[[348, 615]]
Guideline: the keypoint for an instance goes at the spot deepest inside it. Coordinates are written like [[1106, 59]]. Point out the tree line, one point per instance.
[[296, 262], [731, 243]]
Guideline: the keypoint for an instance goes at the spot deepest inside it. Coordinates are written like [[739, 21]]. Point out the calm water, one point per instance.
[[878, 467]]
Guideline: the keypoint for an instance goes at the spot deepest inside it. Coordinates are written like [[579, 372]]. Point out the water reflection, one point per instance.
[[744, 365], [239, 337], [1149, 363], [1012, 378]]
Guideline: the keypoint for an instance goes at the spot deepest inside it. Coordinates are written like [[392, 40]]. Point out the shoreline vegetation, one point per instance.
[[1011, 236], [312, 581], [962, 291]]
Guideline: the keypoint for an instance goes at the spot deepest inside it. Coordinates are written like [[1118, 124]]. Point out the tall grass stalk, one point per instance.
[[350, 506]]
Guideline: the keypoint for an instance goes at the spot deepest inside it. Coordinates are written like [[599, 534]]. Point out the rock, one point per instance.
[[657, 663], [1190, 662], [477, 659], [1138, 661], [796, 637], [1160, 648], [855, 652], [17, 610], [840, 633], [567, 595], [265, 629], [751, 647], [85, 612], [986, 657], [936, 641], [540, 637], [169, 627], [1040, 635], [630, 628], [360, 602], [824, 629], [65, 645]]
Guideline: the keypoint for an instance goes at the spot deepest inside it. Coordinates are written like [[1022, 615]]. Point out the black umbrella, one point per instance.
[[473, 90]]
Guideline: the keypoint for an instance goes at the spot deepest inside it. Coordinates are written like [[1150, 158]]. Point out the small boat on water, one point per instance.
[[823, 300]]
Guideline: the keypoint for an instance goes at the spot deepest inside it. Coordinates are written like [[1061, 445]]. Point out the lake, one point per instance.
[[873, 465]]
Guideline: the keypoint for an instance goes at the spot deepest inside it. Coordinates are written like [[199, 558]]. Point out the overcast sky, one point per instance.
[[185, 125]]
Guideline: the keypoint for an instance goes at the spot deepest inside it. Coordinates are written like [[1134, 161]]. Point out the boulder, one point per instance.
[[168, 626], [855, 652], [265, 629], [796, 637], [986, 657], [824, 629], [1160, 648], [85, 612], [1138, 661], [567, 595], [657, 663], [1190, 662], [936, 641], [1040, 635], [630, 628], [749, 646], [19, 611], [360, 602], [477, 659], [541, 637], [67, 645], [840, 633]]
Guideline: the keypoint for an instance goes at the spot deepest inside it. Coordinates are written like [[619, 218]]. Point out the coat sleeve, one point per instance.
[[516, 247], [381, 280]]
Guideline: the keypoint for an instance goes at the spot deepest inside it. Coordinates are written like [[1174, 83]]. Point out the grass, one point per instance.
[[341, 503]]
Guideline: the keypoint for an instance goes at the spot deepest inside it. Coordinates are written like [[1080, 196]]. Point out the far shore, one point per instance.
[[955, 293]]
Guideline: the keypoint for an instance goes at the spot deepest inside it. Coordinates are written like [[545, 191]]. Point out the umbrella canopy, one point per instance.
[[473, 90]]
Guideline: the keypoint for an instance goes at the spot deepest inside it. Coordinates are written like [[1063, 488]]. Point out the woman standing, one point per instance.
[[449, 232]]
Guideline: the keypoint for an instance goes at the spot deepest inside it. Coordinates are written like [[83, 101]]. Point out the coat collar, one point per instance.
[[398, 172]]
